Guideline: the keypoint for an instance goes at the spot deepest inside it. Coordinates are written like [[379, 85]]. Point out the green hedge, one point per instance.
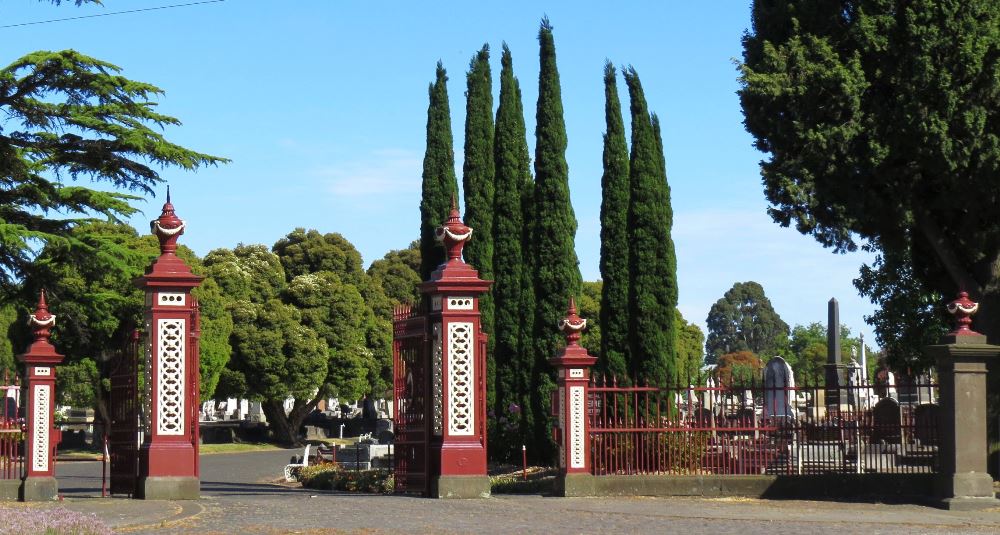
[[332, 477]]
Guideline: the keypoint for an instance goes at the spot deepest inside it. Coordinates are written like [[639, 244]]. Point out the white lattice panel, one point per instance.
[[40, 447], [43, 370], [461, 380], [575, 373], [436, 380], [576, 415], [170, 356]]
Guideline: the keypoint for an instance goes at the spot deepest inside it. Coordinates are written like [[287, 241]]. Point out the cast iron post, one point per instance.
[[40, 447], [458, 371], [570, 407], [168, 458], [964, 482]]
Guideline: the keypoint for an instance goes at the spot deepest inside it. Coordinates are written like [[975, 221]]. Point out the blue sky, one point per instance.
[[321, 105]]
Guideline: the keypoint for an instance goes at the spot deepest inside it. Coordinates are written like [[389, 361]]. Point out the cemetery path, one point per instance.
[[238, 497]]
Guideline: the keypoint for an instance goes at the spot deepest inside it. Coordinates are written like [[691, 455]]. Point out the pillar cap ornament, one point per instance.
[[168, 270], [573, 355], [453, 233], [454, 275], [962, 308], [168, 227], [41, 351]]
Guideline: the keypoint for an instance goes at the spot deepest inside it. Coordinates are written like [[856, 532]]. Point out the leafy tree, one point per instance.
[[398, 273], [652, 263], [690, 350], [303, 252], [743, 320], [278, 357], [880, 125], [336, 311], [512, 288], [590, 309], [738, 367], [68, 116], [247, 272], [807, 351], [478, 188], [8, 317], [614, 235], [439, 185], [553, 255]]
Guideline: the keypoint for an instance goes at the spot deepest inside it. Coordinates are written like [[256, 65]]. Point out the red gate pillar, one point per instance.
[[458, 371], [168, 458], [570, 406], [39, 361]]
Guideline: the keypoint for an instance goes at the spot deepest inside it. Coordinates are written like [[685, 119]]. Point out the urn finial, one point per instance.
[[453, 233], [42, 320], [168, 227], [963, 308], [572, 325]]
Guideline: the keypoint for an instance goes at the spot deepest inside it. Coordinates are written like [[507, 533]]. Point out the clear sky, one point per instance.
[[321, 105]]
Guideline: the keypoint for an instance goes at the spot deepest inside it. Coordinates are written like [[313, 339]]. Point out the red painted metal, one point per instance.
[[12, 430], [40, 360], [572, 376], [458, 424], [170, 312], [962, 308], [647, 430], [411, 387], [124, 410]]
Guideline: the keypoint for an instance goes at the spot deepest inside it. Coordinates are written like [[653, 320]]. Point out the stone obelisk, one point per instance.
[[835, 379]]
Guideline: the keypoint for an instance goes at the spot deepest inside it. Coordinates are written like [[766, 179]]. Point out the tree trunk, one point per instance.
[[285, 427]]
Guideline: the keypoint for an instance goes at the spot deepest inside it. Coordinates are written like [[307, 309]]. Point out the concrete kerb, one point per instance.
[[911, 487]]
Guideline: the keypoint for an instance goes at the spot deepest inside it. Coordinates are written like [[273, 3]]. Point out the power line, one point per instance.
[[112, 13]]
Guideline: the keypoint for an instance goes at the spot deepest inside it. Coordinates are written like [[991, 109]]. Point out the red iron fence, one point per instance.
[[12, 430], [753, 428]]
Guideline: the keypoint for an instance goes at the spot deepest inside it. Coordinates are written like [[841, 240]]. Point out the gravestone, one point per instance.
[[779, 393], [886, 422], [925, 422]]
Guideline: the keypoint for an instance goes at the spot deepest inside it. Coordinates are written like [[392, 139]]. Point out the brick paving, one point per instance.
[[238, 496]]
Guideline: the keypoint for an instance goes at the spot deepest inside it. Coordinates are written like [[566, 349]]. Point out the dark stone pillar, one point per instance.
[[835, 380], [964, 482]]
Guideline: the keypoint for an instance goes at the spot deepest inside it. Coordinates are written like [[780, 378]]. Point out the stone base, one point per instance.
[[967, 504], [169, 488], [10, 490], [575, 485], [460, 487], [40, 489], [969, 491]]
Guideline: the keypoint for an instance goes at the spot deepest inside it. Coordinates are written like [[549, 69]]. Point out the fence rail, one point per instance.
[[12, 431], [756, 429]]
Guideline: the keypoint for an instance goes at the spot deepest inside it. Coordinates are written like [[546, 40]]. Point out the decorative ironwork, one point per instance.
[[723, 430], [461, 402], [410, 396], [170, 382], [41, 400], [123, 435]]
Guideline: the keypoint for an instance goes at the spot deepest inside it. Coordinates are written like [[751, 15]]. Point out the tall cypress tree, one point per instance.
[[553, 255], [614, 235], [477, 185], [512, 291], [652, 264], [439, 184]]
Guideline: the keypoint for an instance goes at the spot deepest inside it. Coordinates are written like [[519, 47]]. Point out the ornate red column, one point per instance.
[[40, 446], [168, 458], [570, 407], [458, 371]]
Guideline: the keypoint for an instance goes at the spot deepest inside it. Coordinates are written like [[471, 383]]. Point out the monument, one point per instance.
[[835, 393]]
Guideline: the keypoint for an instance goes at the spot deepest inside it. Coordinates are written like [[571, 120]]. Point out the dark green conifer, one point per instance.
[[477, 186], [652, 264], [439, 184], [553, 255], [614, 236], [512, 291]]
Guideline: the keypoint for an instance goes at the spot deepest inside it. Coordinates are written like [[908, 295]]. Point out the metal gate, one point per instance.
[[411, 388], [123, 406]]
